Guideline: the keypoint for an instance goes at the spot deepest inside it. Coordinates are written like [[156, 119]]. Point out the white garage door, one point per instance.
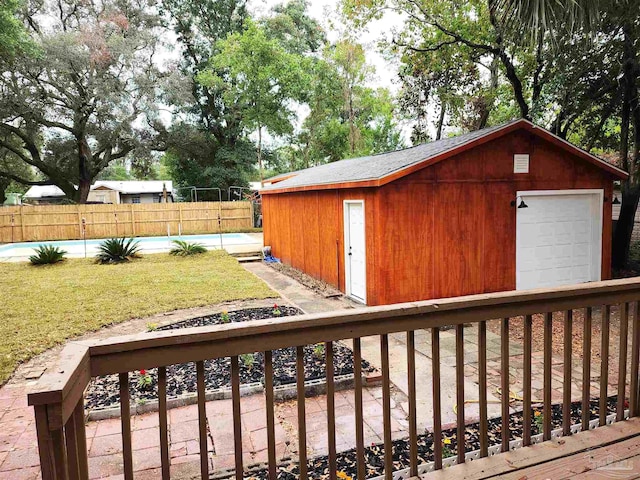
[[558, 238]]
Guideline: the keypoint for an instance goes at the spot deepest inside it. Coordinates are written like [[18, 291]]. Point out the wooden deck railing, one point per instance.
[[59, 409]]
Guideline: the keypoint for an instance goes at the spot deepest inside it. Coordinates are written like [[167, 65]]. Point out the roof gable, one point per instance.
[[378, 170]]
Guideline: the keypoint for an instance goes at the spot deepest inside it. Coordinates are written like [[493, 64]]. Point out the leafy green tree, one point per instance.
[[7, 185], [297, 32], [353, 71], [115, 171], [75, 108], [212, 114], [346, 118], [200, 25], [188, 160], [472, 26], [14, 39], [262, 77]]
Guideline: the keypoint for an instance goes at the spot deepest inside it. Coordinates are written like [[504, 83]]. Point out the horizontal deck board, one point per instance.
[[545, 460]]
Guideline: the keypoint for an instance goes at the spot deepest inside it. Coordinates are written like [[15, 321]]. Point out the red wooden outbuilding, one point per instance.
[[503, 208]]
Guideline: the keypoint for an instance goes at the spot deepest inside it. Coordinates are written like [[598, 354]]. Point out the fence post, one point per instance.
[[23, 239], [80, 235], [180, 217], [133, 222]]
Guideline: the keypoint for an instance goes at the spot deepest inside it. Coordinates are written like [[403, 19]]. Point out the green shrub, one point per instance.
[[116, 250], [47, 254], [184, 249]]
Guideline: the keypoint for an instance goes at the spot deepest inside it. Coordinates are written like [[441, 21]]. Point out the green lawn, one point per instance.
[[42, 306]]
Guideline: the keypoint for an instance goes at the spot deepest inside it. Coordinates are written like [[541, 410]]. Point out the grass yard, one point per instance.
[[42, 306]]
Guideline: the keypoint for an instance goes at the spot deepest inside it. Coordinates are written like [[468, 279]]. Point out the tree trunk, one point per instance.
[[630, 187], [352, 125], [260, 156], [490, 98], [82, 194], [84, 174], [509, 67], [440, 123], [624, 227], [3, 190], [516, 85]]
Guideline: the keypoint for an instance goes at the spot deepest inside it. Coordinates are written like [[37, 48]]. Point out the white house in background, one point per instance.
[[109, 191]]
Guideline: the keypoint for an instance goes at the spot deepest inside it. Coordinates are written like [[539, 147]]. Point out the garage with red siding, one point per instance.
[[508, 207]]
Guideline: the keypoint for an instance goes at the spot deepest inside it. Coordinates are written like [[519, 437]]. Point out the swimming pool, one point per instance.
[[231, 242]]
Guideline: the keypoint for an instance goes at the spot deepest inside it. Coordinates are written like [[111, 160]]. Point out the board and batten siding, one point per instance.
[[446, 230], [306, 231]]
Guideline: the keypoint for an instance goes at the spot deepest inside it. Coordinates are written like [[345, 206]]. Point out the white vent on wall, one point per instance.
[[521, 163]]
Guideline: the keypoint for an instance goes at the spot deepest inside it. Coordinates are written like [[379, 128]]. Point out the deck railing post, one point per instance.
[[504, 384], [586, 368], [622, 362], [125, 421], [546, 407], [76, 444], [635, 360], [604, 363], [45, 443], [566, 381]]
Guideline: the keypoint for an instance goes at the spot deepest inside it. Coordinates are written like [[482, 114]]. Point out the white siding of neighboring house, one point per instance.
[[144, 197], [104, 196]]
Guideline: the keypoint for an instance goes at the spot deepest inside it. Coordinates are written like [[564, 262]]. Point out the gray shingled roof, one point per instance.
[[375, 167]]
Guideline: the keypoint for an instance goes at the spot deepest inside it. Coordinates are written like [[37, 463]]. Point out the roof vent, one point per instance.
[[521, 163]]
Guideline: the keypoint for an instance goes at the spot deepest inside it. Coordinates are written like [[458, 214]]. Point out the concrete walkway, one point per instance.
[[296, 293]]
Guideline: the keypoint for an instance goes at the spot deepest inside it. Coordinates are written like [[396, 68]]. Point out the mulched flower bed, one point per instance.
[[103, 392], [318, 286], [374, 455]]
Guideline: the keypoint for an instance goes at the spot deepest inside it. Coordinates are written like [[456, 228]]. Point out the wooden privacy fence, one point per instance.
[[65, 222], [59, 397]]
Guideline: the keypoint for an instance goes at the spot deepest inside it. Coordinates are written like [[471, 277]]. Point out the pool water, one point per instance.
[[76, 248]]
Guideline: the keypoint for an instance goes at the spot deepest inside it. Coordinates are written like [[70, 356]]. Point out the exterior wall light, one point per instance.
[[521, 204]]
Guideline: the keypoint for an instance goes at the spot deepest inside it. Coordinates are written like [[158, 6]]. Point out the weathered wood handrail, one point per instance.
[[58, 399]]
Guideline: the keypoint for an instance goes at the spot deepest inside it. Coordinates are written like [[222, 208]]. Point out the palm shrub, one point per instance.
[[117, 250], [47, 254], [184, 249]]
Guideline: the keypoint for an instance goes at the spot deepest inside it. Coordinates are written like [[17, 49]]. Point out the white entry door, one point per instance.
[[558, 238], [354, 247]]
